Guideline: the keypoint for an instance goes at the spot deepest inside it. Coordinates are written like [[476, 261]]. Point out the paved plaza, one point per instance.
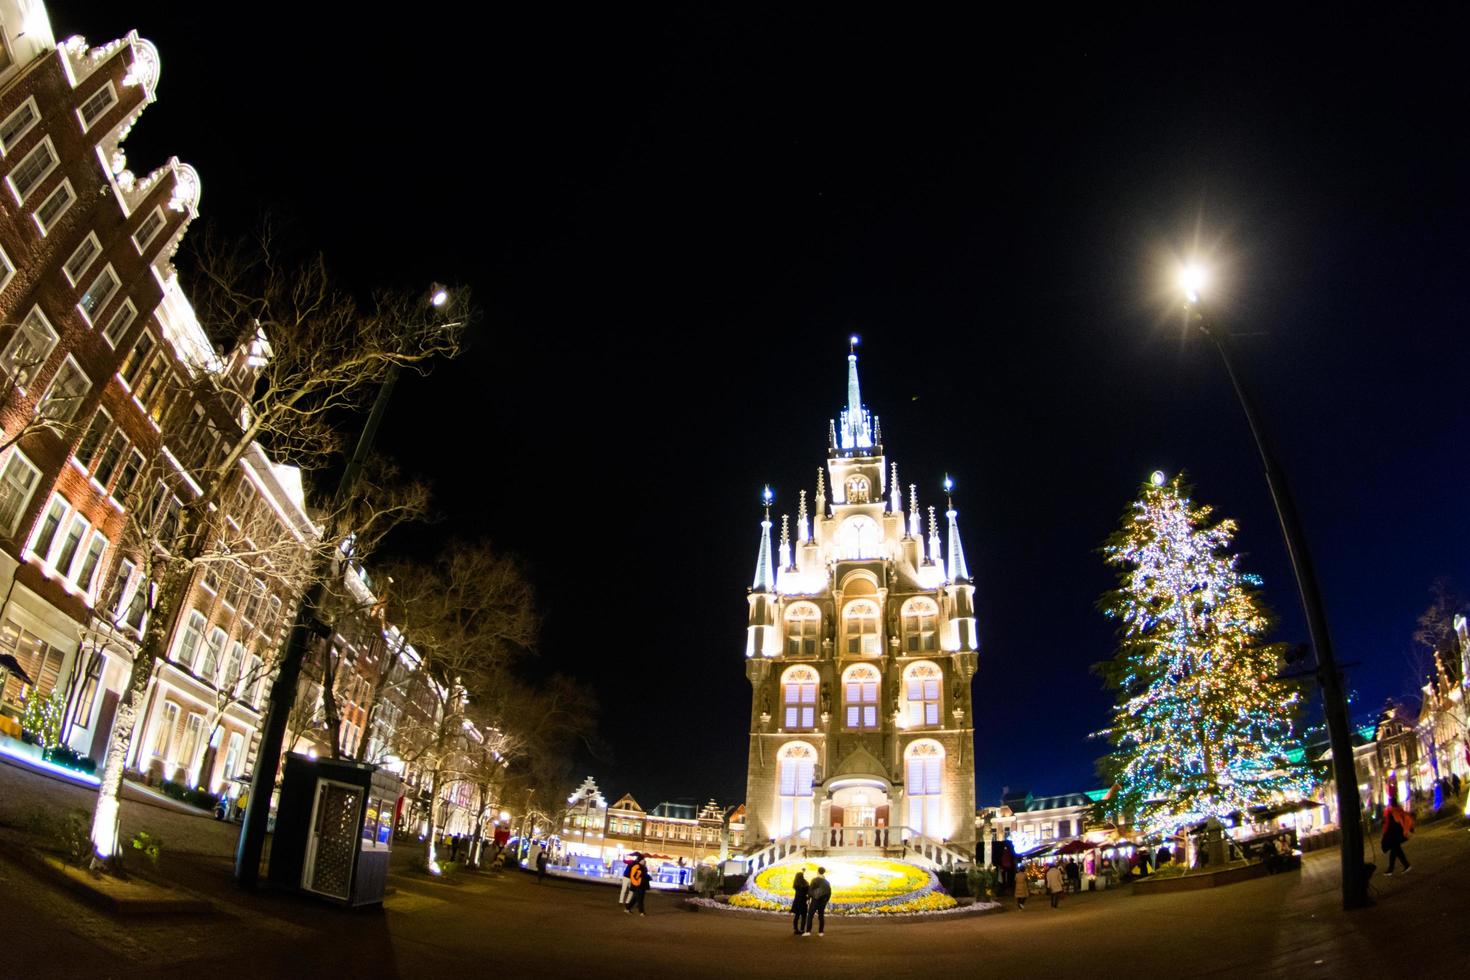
[[1286, 925]]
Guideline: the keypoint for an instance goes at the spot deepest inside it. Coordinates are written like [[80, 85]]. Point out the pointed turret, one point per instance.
[[761, 638], [855, 431], [961, 632], [802, 533], [785, 552], [956, 571], [896, 492], [764, 578], [914, 530]]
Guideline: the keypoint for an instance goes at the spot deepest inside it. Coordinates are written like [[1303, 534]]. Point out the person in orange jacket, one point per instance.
[[1398, 824]]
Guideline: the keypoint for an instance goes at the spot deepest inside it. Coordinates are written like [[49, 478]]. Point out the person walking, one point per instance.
[[1054, 883], [818, 897], [638, 885], [627, 870], [540, 866], [1398, 824], [799, 891], [1023, 890]]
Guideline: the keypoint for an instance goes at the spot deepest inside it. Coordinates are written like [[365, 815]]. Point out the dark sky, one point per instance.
[[673, 223]]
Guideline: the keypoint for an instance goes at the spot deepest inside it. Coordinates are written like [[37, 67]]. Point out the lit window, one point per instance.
[[82, 258], [117, 447], [920, 625], [18, 123], [128, 482], [189, 640], [132, 365], [857, 490], [70, 545], [97, 105], [860, 619], [860, 697], [924, 787], [922, 686], [55, 205], [148, 230], [18, 481], [103, 288], [28, 349], [803, 627], [232, 668], [213, 651], [163, 732], [64, 397], [92, 439], [29, 173], [860, 537], [796, 764], [799, 698]]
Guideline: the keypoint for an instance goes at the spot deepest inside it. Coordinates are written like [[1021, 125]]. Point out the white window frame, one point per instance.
[[27, 492], [74, 277], [6, 357], [142, 246], [70, 408], [207, 671], [858, 641], [57, 502], [88, 588], [164, 727], [101, 304], [7, 269], [15, 192], [187, 653], [125, 314], [107, 89], [71, 198], [920, 680], [60, 544], [861, 687], [799, 699], [6, 147]]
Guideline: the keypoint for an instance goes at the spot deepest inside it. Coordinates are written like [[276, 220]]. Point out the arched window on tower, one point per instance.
[[923, 787], [860, 697], [920, 625], [803, 629], [860, 537], [923, 683], [799, 699], [860, 626], [795, 765], [857, 490]]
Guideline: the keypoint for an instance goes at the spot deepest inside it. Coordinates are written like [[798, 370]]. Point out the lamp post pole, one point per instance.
[[1329, 675], [306, 625]]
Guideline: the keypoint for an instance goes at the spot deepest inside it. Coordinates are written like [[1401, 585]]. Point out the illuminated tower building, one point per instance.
[[860, 648]]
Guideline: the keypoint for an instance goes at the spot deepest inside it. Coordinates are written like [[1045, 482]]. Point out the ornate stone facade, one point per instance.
[[860, 650]]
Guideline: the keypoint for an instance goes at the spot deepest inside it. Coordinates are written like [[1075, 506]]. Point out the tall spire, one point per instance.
[[914, 530], [785, 541], [764, 579], [956, 570], [934, 554], [801, 529], [895, 492], [821, 494], [856, 429]]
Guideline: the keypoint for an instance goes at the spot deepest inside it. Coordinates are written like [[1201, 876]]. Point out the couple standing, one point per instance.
[[810, 902]]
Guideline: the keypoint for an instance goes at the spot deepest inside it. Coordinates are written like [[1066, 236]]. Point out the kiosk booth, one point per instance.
[[334, 829]]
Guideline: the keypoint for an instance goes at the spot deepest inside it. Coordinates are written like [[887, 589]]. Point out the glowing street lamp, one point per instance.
[[1192, 279]]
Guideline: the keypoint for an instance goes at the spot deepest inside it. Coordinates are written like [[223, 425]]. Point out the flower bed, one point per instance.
[[860, 886]]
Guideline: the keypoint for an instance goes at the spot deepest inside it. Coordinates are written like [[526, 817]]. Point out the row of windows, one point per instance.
[[860, 688], [68, 545], [860, 627]]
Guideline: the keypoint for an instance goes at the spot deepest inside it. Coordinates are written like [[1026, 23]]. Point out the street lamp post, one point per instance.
[[306, 626], [1329, 675]]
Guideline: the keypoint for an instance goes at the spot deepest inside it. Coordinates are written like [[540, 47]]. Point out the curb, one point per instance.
[[161, 902]]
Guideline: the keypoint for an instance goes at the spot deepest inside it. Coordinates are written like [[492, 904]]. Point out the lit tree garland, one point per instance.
[[1203, 724]]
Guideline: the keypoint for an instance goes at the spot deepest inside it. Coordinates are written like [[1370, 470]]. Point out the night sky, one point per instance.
[[673, 223]]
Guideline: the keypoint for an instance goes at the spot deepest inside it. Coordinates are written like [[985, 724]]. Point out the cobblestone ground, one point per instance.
[[1287, 925]]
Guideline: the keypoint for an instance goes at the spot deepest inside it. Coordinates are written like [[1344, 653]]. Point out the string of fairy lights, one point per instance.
[[1203, 724]]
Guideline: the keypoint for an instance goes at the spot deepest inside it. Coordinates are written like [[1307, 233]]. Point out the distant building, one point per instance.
[[675, 830], [860, 648], [1031, 821]]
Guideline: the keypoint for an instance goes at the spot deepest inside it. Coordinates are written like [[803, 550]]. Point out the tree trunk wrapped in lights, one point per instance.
[[1203, 724]]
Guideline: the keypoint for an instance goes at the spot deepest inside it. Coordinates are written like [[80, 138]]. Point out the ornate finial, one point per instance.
[[766, 497], [933, 524], [832, 435], [914, 500], [785, 531], [877, 431], [821, 490]]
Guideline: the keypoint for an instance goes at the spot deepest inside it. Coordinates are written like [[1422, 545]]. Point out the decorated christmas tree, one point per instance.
[[1203, 724]]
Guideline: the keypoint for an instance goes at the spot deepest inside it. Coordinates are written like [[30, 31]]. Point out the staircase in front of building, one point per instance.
[[894, 843]]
